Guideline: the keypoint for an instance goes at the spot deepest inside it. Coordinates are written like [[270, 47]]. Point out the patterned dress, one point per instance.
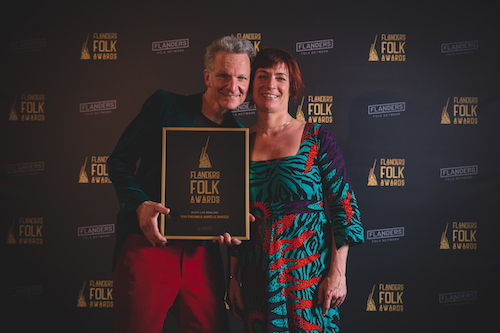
[[290, 247]]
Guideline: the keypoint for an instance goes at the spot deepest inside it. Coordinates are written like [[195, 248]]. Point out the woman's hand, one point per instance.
[[235, 299], [332, 291], [228, 240]]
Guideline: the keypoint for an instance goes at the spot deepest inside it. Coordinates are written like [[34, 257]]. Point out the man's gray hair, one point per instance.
[[229, 44]]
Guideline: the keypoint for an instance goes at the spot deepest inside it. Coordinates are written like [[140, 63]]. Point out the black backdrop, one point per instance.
[[410, 91]]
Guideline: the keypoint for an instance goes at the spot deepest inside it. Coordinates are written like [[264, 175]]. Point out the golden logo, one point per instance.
[[373, 55], [392, 48], [85, 54], [13, 112], [391, 173], [463, 236], [372, 179], [319, 109], [390, 298], [444, 244], [370, 304], [84, 178], [464, 111], [445, 116], [203, 186], [81, 303], [204, 159], [11, 238], [98, 171]]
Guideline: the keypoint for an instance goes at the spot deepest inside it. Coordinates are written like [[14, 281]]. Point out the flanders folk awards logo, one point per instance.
[[388, 298], [318, 109], [391, 173], [463, 111], [29, 231], [99, 294], [389, 48], [462, 236], [103, 46], [98, 170], [31, 108]]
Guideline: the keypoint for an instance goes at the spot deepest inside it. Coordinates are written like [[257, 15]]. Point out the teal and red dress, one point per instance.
[[290, 247]]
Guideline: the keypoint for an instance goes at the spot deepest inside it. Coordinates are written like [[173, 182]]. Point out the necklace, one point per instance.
[[284, 125]]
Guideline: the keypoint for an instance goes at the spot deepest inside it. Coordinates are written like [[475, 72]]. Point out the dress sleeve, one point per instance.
[[342, 204], [122, 161]]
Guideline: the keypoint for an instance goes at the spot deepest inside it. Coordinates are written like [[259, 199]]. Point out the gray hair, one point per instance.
[[229, 44]]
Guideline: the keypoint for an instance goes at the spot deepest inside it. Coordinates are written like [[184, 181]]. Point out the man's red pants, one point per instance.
[[185, 278]]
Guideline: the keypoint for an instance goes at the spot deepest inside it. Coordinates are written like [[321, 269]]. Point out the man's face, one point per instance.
[[227, 84]]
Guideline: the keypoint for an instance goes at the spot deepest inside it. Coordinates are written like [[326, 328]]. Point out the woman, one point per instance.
[[293, 270]]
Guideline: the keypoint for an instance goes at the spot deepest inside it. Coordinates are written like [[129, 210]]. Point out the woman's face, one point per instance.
[[271, 88]]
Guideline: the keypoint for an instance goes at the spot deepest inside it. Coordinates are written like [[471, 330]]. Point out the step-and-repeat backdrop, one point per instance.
[[410, 91]]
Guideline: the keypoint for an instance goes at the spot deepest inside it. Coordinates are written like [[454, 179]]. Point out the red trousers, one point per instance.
[[184, 278]]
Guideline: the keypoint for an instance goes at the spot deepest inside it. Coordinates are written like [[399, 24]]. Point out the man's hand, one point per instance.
[[147, 213]]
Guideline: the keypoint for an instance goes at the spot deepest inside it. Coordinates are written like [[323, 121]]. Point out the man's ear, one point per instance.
[[206, 76]]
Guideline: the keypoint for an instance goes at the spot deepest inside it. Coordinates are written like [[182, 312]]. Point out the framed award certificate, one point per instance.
[[205, 182]]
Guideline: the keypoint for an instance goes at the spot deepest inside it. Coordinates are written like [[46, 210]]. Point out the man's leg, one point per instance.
[[201, 295], [146, 283]]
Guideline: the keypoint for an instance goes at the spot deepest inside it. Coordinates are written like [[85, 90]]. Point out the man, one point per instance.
[[151, 275]]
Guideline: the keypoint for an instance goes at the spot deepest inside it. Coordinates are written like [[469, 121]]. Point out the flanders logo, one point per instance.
[[96, 231], [463, 110], [390, 48], [391, 173], [458, 298], [459, 48], [462, 235], [388, 296], [317, 110], [31, 108], [385, 235], [254, 37], [103, 46], [29, 44], [386, 110], [97, 108], [99, 294], [27, 168], [314, 47], [170, 46], [458, 173], [98, 171], [29, 231]]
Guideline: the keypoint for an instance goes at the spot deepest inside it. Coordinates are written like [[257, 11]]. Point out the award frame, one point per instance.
[[205, 182]]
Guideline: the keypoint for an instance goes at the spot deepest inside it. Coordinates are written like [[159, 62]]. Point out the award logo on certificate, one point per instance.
[[205, 182]]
